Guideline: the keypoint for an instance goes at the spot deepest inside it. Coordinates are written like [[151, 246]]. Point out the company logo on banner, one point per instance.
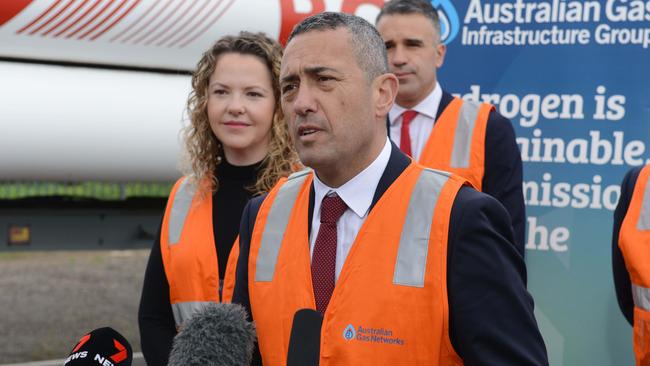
[[449, 21]]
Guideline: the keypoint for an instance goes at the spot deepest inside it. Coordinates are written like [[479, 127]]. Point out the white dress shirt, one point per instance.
[[357, 193], [421, 125]]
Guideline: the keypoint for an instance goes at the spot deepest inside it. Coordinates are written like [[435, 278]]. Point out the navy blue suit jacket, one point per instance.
[[491, 312], [503, 169], [622, 282]]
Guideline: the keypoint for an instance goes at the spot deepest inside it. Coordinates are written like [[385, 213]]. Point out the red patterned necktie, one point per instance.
[[405, 136], [323, 261]]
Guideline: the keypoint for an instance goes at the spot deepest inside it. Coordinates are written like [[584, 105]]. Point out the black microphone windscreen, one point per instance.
[[99, 347], [219, 334], [304, 343]]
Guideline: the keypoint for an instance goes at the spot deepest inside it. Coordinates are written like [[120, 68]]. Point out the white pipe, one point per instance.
[[73, 124]]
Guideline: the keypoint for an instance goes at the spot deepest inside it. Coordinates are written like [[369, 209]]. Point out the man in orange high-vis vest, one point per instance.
[[408, 266], [441, 131], [631, 258]]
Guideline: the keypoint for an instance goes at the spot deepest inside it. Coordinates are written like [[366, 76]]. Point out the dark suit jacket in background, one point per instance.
[[622, 282], [491, 313]]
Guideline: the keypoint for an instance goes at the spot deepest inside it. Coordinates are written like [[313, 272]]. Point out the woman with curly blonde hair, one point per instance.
[[238, 146]]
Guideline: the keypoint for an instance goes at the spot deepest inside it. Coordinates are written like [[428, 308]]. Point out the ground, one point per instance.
[[50, 299]]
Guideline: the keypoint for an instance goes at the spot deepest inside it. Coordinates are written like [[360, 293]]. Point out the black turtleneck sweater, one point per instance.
[[155, 318], [228, 204]]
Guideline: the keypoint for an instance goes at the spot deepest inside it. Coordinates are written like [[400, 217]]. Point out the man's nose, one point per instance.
[[304, 101], [399, 56]]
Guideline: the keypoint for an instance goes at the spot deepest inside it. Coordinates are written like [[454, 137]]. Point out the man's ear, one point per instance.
[[385, 91], [441, 50]]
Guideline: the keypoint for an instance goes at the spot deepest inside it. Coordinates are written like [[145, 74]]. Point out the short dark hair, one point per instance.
[[422, 7], [366, 42]]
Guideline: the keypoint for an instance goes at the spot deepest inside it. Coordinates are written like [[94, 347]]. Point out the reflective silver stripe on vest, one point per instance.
[[641, 296], [276, 225], [180, 209], [184, 310], [410, 267], [463, 136], [644, 216]]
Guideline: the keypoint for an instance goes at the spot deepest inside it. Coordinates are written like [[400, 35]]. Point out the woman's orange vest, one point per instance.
[[634, 242], [457, 142], [389, 306], [188, 251], [228, 287]]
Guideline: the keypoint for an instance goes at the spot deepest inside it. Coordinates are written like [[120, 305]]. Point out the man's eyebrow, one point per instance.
[[311, 71], [289, 78], [319, 69], [414, 41]]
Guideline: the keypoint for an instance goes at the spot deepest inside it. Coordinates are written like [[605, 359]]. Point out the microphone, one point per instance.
[[218, 334], [304, 343], [102, 346]]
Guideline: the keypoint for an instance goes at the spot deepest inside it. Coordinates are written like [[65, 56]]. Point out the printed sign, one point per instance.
[[573, 78]]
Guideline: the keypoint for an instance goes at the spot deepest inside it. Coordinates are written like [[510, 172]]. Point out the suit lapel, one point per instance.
[[444, 102], [397, 162]]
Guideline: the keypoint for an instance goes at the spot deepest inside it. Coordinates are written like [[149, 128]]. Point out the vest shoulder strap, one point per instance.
[[180, 208], [465, 125], [299, 174], [276, 224], [410, 267], [643, 222]]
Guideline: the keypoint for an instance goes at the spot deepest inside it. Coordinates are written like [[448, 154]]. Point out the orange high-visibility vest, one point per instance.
[[229, 277], [389, 306], [188, 250], [634, 242], [457, 142]]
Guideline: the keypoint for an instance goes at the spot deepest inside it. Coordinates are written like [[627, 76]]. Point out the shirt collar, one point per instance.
[[357, 193], [428, 106]]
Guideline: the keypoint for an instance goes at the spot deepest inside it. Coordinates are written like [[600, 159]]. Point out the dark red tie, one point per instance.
[[323, 260], [405, 137]]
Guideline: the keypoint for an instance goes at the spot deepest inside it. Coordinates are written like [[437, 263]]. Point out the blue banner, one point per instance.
[[574, 79]]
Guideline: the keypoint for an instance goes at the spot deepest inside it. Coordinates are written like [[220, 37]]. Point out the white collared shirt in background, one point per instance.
[[357, 193], [421, 125]]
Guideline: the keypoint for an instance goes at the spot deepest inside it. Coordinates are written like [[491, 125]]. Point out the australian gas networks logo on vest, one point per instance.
[[449, 21], [371, 335]]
